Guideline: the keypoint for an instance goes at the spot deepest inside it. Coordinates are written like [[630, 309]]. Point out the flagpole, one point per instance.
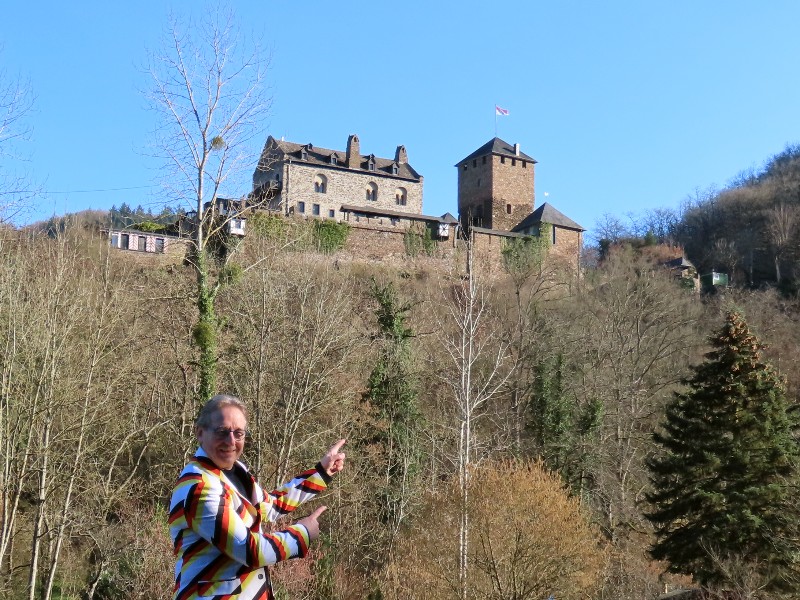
[[495, 121]]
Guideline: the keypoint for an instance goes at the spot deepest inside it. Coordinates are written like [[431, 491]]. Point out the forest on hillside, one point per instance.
[[568, 380], [750, 229]]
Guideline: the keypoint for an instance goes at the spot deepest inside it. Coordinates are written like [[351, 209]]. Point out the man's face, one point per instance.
[[223, 449]]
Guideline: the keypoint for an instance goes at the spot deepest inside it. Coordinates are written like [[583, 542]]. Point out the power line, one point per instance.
[[139, 187]]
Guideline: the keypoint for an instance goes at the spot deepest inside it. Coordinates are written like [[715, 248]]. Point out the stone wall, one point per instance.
[[374, 240], [501, 188], [512, 191], [567, 247], [343, 186]]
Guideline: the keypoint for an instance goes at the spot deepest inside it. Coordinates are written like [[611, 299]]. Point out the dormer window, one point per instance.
[[334, 159], [395, 169], [303, 154], [371, 163]]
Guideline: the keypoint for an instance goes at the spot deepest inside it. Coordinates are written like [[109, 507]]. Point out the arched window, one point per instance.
[[508, 209], [400, 196], [320, 183], [372, 191]]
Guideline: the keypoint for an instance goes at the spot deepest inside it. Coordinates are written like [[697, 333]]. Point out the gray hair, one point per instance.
[[215, 404]]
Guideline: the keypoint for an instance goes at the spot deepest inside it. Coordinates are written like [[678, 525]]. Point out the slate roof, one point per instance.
[[322, 157], [547, 214], [679, 263], [499, 147], [385, 212]]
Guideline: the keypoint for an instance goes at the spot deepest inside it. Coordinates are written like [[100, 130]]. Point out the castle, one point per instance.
[[496, 195], [381, 200]]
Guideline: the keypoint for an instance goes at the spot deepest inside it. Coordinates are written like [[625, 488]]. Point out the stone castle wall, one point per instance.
[[345, 187], [501, 188]]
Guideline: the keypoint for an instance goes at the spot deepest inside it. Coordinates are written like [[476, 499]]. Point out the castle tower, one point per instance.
[[495, 186]]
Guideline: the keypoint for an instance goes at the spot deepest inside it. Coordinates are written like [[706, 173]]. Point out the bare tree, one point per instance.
[[477, 355], [782, 224], [16, 103], [209, 91]]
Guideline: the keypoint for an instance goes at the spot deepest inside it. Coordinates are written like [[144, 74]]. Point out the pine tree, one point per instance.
[[724, 486]]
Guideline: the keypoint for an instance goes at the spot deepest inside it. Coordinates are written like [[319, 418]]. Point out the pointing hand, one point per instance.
[[311, 523], [333, 461]]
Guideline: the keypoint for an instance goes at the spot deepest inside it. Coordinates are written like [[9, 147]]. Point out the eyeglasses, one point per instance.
[[223, 433]]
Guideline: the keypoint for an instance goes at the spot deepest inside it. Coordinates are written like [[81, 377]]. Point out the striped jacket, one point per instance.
[[221, 552]]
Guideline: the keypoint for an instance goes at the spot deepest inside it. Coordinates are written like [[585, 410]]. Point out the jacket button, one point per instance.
[[261, 576]]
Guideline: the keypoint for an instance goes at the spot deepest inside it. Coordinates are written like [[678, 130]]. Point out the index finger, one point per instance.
[[337, 446], [318, 512]]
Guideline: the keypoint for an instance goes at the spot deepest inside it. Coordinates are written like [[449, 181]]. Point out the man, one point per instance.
[[217, 510]]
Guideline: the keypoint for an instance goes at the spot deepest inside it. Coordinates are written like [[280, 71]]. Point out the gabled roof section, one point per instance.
[[547, 214], [322, 156], [499, 147]]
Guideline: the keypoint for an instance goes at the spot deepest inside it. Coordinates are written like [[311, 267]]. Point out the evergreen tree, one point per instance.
[[723, 487], [392, 393]]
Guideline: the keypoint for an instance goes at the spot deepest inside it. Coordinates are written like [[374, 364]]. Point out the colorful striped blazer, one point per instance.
[[221, 552]]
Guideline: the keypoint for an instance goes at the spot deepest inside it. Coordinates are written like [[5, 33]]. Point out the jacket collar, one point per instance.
[[241, 469]]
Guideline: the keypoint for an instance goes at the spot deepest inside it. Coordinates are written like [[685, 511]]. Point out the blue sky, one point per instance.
[[627, 105]]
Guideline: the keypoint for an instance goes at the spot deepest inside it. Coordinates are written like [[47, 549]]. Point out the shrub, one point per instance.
[[526, 534]]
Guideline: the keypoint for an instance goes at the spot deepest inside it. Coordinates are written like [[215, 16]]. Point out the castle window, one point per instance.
[[334, 160], [395, 169], [503, 159], [508, 209], [524, 164], [320, 184], [301, 207], [303, 154], [394, 221], [474, 162], [400, 196], [372, 192], [484, 160], [332, 214], [465, 166], [553, 227], [315, 210], [513, 162]]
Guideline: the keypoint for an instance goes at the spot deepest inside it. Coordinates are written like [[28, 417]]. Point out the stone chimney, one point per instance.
[[516, 149], [353, 159], [400, 156]]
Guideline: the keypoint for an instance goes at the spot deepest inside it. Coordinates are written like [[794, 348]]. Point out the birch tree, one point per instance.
[[477, 359], [209, 93]]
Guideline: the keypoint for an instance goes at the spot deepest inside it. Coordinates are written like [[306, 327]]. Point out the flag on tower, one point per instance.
[[500, 111]]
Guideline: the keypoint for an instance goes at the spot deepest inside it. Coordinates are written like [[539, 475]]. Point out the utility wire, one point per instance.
[[139, 187]]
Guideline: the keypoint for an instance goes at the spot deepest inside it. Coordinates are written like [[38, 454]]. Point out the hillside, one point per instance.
[[99, 386], [750, 229]]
